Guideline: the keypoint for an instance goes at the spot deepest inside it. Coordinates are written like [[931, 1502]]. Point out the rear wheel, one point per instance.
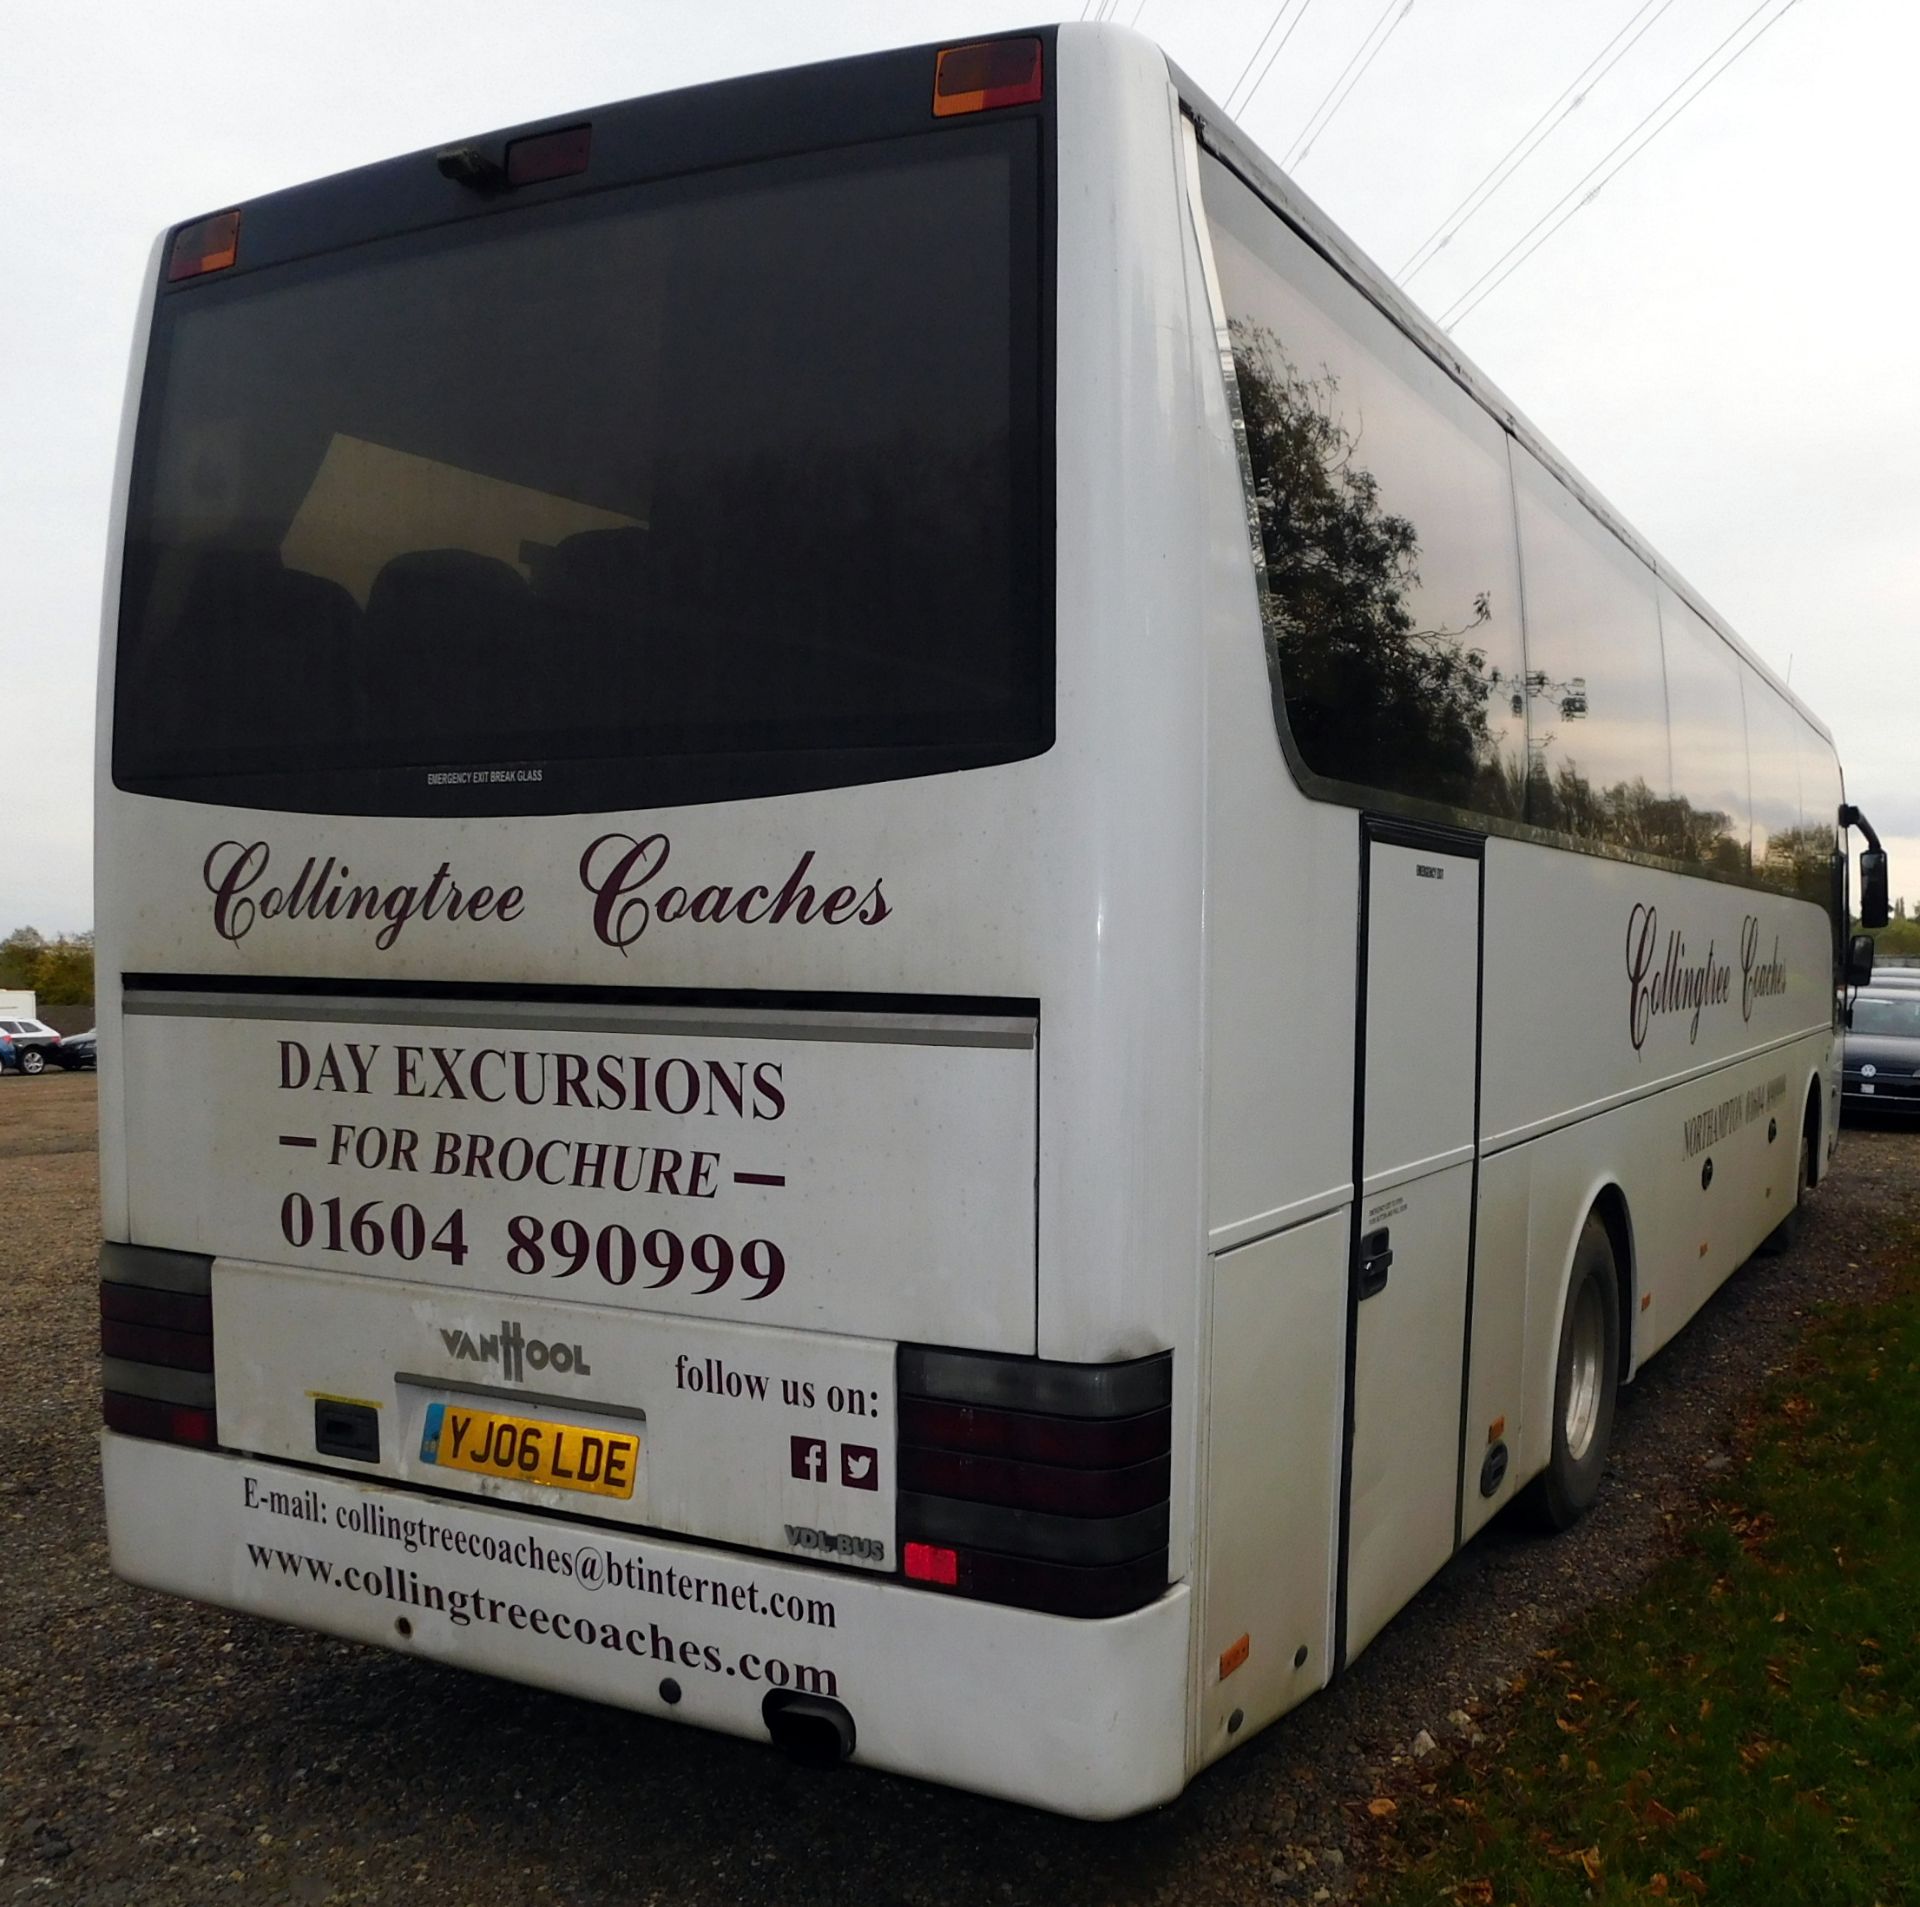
[[1585, 1384], [33, 1060]]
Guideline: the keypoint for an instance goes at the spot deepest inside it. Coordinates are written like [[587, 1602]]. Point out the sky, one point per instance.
[[1722, 340]]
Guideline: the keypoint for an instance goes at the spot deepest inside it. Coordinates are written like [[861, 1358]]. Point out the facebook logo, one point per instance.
[[809, 1458]]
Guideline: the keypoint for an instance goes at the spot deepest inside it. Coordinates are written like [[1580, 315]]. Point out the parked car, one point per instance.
[[77, 1052], [1881, 1068], [35, 1043]]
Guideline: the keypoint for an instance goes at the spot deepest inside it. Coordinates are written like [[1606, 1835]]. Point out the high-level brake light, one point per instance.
[[211, 244], [549, 155], [990, 73]]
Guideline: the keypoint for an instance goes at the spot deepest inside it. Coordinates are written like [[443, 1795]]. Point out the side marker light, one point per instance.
[[209, 245], [977, 78], [1233, 1655]]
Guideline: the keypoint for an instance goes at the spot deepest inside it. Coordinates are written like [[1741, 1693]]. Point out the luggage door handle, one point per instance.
[[1376, 1260]]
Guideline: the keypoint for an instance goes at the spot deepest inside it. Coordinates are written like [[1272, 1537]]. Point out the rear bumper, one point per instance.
[[1087, 1718]]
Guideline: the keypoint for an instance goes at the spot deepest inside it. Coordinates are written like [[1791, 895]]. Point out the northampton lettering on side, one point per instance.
[[616, 868], [325, 890], [1661, 981]]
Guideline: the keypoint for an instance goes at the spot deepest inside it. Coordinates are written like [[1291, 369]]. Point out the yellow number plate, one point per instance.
[[530, 1450]]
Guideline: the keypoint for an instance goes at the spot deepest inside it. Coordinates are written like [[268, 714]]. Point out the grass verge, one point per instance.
[[1745, 1728]]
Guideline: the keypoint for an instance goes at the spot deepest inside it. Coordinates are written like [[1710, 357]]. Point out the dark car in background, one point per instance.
[[36, 1044], [77, 1052], [1881, 1070]]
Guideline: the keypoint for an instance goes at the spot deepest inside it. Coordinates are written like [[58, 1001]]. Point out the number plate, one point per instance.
[[530, 1450], [1867, 1087]]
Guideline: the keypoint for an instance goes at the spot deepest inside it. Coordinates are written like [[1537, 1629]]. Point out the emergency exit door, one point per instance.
[[1412, 1262]]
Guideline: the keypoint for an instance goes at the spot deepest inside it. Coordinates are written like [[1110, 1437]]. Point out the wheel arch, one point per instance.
[[1610, 1201], [1813, 1125], [1605, 1195]]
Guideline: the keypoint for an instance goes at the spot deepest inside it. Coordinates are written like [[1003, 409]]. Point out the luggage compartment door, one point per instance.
[[1411, 1272]]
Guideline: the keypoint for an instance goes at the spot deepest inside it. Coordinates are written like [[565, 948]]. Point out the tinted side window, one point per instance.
[[1598, 765], [1708, 725], [1780, 842], [1381, 494], [1821, 868]]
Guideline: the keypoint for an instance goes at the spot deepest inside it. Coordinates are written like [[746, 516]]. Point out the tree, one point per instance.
[[59, 972]]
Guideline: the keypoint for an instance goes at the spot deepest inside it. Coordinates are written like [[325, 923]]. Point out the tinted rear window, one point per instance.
[[703, 488]]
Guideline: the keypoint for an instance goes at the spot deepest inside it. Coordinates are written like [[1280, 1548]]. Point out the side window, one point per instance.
[[1598, 767], [1780, 842], [1708, 722], [1380, 493], [1822, 868]]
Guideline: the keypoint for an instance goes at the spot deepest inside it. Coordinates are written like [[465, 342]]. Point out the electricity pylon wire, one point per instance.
[[1292, 25], [1558, 113], [1259, 47], [1461, 308], [1312, 130]]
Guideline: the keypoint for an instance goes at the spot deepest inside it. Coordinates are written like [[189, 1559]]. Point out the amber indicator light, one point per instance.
[[1234, 1655], [211, 245], [975, 79], [549, 155]]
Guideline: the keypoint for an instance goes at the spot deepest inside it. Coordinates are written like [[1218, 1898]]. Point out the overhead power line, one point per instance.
[[1545, 127], [1261, 80], [1582, 194], [1260, 46], [1316, 125]]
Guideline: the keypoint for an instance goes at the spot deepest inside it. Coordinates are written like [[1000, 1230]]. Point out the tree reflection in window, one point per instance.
[[1381, 698], [1634, 816], [1372, 697]]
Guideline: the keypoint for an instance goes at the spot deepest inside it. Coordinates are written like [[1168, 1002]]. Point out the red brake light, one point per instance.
[[153, 1417], [156, 1344], [977, 78], [146, 1344], [210, 245], [927, 1563], [1034, 1481]]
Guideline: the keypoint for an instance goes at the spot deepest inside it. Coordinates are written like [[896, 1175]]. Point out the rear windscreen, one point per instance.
[[709, 487]]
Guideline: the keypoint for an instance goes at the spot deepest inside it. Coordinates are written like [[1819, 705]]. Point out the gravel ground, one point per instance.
[[155, 1752]]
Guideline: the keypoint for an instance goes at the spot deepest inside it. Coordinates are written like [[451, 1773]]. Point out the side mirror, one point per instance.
[[1859, 960], [1873, 887]]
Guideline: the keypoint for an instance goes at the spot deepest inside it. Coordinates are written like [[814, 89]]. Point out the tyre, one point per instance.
[[32, 1060], [1585, 1385]]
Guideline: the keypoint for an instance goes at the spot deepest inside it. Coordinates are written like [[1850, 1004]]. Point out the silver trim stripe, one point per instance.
[[1018, 1032]]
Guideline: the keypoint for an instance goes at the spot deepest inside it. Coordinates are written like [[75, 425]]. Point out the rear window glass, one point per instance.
[[713, 486]]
